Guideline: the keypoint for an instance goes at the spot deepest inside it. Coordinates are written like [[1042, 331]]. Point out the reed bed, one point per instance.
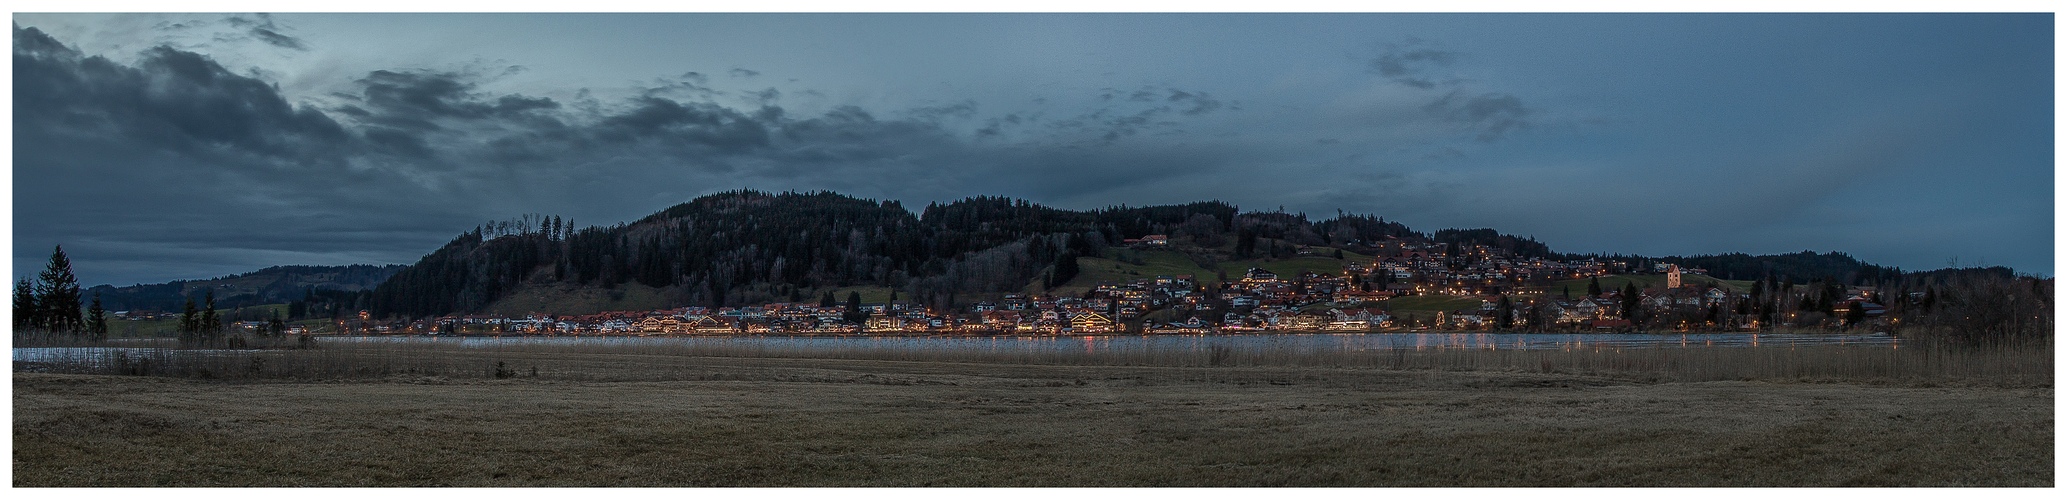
[[614, 359]]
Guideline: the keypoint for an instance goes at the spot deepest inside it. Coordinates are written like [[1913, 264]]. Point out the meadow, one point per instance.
[[425, 414]]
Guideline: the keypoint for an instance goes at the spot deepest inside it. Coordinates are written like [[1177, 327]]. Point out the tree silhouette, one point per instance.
[[96, 320], [26, 314], [57, 295]]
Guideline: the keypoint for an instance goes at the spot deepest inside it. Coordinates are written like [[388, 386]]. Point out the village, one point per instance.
[[1356, 299]]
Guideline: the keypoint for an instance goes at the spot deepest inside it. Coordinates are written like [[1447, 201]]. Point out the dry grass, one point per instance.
[[614, 360], [744, 414]]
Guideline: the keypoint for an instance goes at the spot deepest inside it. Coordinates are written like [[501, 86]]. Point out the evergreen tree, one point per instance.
[[854, 312], [57, 295], [211, 324], [827, 300], [1593, 287], [189, 324], [1506, 312], [1632, 300], [26, 314], [1065, 268], [276, 327], [96, 320]]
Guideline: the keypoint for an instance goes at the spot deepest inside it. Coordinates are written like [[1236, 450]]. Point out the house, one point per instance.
[[885, 324], [1312, 320], [1351, 325], [1585, 308], [713, 325], [1091, 322], [1367, 316], [1193, 325], [1462, 319]]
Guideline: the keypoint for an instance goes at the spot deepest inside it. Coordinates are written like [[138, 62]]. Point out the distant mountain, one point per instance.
[[750, 247], [271, 285]]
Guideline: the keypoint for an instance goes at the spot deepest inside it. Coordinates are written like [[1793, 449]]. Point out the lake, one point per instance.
[[1295, 343]]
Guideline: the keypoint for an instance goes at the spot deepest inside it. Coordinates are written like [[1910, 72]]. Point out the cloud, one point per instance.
[[266, 31], [1127, 113], [1488, 116], [174, 159], [1406, 63], [176, 99], [1491, 115], [744, 73]]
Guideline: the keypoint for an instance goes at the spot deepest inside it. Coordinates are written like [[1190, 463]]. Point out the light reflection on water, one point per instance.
[[1299, 343]]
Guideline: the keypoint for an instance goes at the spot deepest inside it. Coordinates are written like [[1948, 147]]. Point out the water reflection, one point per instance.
[[1301, 343]]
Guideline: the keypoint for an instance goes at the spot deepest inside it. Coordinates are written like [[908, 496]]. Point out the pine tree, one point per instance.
[[96, 320], [1593, 287], [211, 325], [827, 300], [854, 312], [1506, 312], [1632, 300], [189, 324], [276, 327], [57, 295], [26, 313]]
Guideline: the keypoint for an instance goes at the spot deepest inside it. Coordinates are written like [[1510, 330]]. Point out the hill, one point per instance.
[[749, 247], [272, 285]]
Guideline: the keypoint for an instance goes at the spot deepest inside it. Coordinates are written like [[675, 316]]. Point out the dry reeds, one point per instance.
[[628, 359]]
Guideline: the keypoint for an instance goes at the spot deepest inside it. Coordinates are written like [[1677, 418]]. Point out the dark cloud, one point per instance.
[[684, 127], [1491, 115], [964, 109], [744, 73], [1407, 63], [1132, 112], [1488, 115], [176, 99], [421, 100], [408, 157], [263, 29], [1200, 103]]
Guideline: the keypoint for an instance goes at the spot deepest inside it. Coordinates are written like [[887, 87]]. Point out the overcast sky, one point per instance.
[[159, 147]]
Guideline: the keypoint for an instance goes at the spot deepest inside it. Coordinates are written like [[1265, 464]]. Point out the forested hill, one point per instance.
[[748, 247], [271, 285], [751, 247]]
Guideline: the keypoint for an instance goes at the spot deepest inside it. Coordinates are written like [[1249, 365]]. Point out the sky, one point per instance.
[[156, 147]]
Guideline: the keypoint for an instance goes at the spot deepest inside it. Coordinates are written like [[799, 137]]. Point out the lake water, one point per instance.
[[1298, 343], [1295, 342]]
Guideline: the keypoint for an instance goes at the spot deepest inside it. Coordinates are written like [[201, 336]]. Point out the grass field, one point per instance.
[[1615, 281], [869, 295], [170, 327], [1429, 304], [738, 417], [1095, 270], [1092, 271], [1287, 268], [568, 299]]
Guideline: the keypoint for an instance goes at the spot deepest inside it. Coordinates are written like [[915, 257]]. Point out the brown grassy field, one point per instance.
[[603, 417]]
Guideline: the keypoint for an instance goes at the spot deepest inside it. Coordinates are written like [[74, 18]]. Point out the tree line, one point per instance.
[[49, 304]]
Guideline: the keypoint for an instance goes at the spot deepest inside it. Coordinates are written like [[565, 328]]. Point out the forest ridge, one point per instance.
[[749, 247]]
